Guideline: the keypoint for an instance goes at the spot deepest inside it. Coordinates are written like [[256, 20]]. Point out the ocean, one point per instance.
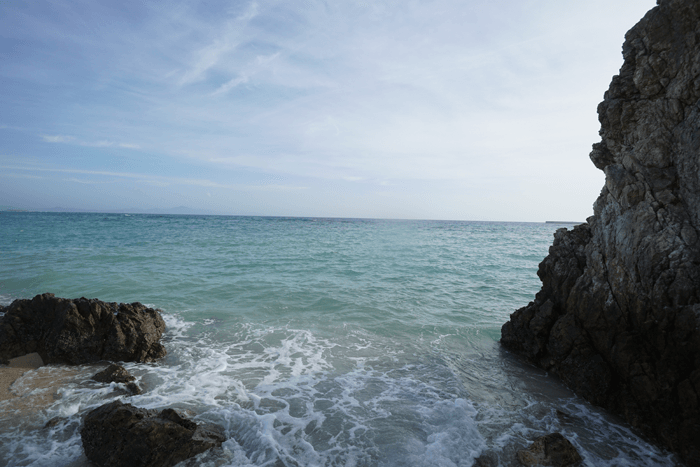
[[312, 342]]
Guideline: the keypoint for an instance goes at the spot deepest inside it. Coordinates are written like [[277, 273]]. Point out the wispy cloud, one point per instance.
[[57, 138], [157, 181], [367, 94], [93, 144], [89, 182], [27, 176], [224, 41], [258, 65]]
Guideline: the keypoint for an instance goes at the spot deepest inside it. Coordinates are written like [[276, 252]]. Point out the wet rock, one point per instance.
[[80, 331], [118, 434], [618, 315], [118, 374], [488, 459], [54, 422], [551, 450]]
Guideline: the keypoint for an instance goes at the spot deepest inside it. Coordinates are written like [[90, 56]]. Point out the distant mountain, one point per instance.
[[12, 208]]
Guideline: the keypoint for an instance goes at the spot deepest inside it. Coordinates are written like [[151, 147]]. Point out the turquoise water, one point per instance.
[[313, 341]]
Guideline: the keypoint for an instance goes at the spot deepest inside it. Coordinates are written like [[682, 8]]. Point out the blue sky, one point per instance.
[[435, 109]]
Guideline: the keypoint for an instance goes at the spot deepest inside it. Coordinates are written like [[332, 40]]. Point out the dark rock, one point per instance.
[[618, 315], [54, 422], [80, 331], [551, 450], [133, 388], [488, 459], [117, 374], [114, 374], [118, 434]]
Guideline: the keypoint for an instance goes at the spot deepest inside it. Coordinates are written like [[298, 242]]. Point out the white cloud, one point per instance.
[[88, 182], [224, 41], [388, 93], [57, 138], [93, 144], [27, 176], [157, 181]]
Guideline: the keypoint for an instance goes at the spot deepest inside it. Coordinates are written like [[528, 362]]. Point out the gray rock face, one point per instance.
[[80, 331], [121, 435], [618, 316]]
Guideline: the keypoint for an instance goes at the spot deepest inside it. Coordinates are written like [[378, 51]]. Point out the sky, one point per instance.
[[409, 109]]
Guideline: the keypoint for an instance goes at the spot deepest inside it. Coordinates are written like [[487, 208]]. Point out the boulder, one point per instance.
[[118, 434], [618, 315], [117, 374], [80, 331], [550, 450]]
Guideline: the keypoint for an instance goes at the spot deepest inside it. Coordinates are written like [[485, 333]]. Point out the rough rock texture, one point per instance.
[[80, 331], [618, 316], [117, 374], [118, 434], [552, 450]]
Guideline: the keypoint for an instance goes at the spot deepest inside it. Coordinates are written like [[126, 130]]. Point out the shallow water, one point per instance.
[[313, 342]]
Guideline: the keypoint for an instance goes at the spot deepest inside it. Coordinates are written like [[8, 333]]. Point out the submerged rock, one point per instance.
[[551, 450], [118, 434], [618, 316], [80, 331]]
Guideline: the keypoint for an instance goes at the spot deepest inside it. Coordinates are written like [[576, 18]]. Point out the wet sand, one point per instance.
[[27, 386], [7, 377], [17, 367]]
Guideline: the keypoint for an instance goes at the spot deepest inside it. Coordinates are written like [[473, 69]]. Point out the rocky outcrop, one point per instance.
[[618, 316], [80, 331], [118, 434]]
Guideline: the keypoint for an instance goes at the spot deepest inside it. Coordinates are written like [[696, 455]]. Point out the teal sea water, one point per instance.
[[313, 342]]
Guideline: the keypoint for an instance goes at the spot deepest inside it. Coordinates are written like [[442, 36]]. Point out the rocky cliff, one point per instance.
[[618, 316]]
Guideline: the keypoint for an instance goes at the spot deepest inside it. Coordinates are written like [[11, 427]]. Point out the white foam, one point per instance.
[[287, 396]]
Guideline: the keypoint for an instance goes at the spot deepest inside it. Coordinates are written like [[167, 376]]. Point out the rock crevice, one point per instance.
[[618, 315]]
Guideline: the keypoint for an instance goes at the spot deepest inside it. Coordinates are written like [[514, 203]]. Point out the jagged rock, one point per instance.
[[117, 374], [618, 316], [551, 450], [118, 434], [80, 331]]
